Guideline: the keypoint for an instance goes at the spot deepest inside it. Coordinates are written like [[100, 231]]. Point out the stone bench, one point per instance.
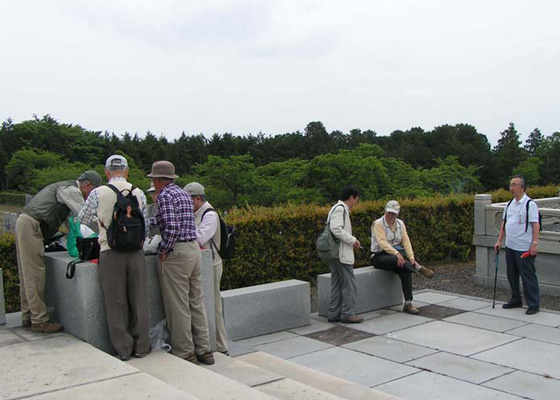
[[272, 307], [78, 303], [376, 289], [2, 304]]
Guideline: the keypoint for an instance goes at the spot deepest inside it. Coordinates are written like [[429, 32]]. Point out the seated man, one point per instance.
[[389, 242]]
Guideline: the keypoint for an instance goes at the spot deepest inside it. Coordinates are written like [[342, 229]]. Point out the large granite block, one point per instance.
[[78, 303], [262, 309], [2, 304], [376, 289]]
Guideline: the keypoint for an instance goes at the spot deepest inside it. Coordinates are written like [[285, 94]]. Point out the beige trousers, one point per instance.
[[180, 277], [30, 250], [221, 338]]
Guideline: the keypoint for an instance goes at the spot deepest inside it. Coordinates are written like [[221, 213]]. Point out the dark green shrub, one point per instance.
[[8, 263]]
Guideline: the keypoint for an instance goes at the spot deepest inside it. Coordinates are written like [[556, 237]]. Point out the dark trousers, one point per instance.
[[524, 267], [343, 290], [389, 262], [123, 281]]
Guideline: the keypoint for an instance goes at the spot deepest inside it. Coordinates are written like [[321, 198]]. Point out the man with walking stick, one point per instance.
[[521, 227]]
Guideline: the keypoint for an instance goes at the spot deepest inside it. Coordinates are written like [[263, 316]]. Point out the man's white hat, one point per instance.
[[116, 161], [194, 189], [393, 206]]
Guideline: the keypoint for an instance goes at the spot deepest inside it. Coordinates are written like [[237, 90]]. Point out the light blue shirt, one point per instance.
[[516, 237]]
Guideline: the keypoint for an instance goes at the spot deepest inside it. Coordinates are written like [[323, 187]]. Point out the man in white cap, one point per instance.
[[180, 269], [122, 273], [208, 230], [389, 242], [38, 222]]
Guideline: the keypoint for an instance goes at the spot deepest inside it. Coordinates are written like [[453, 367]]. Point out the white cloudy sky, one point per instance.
[[245, 66]]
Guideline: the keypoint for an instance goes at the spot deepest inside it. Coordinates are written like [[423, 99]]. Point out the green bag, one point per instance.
[[327, 244], [73, 234]]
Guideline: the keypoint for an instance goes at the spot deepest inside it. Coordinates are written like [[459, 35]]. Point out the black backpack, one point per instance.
[[227, 237], [526, 215], [127, 231]]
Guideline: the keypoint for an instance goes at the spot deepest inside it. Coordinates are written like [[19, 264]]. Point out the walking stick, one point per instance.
[[497, 259]]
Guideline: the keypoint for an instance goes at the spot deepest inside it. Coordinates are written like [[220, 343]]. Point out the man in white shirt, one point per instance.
[[522, 235], [208, 231]]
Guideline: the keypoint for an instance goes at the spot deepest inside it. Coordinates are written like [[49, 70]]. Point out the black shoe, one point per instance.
[[532, 310], [333, 319], [124, 358], [507, 306]]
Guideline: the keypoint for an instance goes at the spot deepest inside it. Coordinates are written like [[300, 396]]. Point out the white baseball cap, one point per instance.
[[116, 161], [393, 206]]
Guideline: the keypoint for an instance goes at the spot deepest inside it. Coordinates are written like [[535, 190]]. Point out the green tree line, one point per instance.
[[299, 167]]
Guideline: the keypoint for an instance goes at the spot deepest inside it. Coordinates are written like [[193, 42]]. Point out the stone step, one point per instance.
[[313, 378], [265, 381], [194, 380]]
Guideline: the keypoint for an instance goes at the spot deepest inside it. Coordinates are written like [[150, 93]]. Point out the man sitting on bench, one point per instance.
[[389, 244]]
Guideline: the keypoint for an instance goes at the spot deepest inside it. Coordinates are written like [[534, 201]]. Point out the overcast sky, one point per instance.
[[244, 66]]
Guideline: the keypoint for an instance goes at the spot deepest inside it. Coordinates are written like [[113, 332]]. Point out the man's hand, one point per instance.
[[400, 260], [357, 244], [415, 263], [497, 246], [534, 249], [162, 256]]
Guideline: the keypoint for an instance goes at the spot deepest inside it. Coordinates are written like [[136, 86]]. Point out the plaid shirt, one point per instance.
[[174, 217]]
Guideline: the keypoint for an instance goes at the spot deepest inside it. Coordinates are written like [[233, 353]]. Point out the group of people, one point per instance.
[[187, 224], [391, 250]]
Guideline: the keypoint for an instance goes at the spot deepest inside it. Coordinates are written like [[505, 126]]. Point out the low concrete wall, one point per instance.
[[78, 303], [2, 304], [272, 307], [376, 289], [488, 218]]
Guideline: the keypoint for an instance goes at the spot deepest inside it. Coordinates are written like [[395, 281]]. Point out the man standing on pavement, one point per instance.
[[208, 231], [122, 273], [521, 227], [39, 222], [180, 268], [343, 284]]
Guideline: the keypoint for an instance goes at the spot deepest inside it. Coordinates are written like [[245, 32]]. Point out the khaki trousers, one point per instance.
[[221, 338], [180, 277], [123, 280], [30, 250]]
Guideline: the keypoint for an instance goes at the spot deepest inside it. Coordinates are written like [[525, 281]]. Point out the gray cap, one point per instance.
[[116, 161], [92, 177], [194, 189], [393, 206]]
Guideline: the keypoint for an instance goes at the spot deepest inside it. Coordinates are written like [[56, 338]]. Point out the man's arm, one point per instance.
[[500, 237], [407, 245], [170, 224], [534, 219], [337, 226], [207, 228], [72, 197]]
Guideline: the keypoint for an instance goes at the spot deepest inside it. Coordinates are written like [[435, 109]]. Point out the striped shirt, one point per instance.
[[174, 217]]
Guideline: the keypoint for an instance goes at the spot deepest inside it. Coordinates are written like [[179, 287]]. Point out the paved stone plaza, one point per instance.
[[458, 348]]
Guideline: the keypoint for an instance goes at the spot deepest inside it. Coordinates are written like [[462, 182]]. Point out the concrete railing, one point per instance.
[[487, 221], [2, 304]]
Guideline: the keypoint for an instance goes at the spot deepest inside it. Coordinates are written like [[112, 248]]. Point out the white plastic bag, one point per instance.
[[150, 245], [159, 336]]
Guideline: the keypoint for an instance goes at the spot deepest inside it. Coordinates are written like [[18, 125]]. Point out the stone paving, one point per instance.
[[457, 348]]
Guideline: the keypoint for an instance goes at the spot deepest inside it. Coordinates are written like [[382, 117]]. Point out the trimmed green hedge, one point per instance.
[[16, 199], [279, 243]]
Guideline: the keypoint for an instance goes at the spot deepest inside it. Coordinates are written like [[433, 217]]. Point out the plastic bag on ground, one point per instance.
[[159, 336]]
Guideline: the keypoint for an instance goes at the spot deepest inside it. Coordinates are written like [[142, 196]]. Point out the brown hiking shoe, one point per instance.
[[427, 272], [47, 327], [192, 359], [206, 358], [409, 308], [354, 319]]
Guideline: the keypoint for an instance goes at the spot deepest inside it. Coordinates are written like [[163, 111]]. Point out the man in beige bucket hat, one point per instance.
[[180, 267]]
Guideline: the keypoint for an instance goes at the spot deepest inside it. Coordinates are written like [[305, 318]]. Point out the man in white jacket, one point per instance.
[[343, 284]]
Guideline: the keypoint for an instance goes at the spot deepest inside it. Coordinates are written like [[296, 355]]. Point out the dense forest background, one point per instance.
[[297, 167]]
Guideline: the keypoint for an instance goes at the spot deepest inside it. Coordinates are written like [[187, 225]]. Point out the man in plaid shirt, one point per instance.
[[180, 268]]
